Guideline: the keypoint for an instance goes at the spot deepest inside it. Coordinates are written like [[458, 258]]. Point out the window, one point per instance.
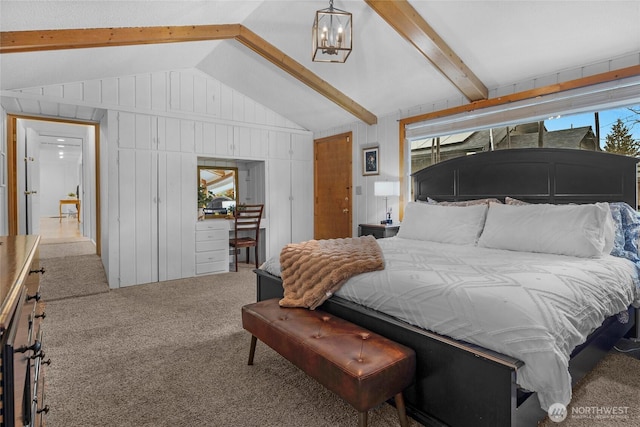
[[585, 131]]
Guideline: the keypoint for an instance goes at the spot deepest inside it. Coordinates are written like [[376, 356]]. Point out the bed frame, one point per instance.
[[460, 384]]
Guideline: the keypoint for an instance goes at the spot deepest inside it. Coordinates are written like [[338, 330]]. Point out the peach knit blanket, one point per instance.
[[313, 270]]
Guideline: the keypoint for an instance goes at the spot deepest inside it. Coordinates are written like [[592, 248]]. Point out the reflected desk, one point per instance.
[[69, 202]]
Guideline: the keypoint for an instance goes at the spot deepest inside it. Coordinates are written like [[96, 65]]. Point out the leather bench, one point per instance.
[[362, 367]]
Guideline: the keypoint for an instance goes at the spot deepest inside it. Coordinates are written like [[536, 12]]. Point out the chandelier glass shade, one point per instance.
[[331, 35]]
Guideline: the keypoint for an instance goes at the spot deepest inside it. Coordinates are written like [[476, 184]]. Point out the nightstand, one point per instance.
[[379, 231]]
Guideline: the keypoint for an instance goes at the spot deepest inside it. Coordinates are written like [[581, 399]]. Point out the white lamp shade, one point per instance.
[[386, 188]]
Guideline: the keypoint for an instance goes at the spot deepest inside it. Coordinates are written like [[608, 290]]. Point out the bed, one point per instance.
[[458, 382]]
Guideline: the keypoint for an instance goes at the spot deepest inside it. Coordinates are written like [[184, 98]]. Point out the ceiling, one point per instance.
[[500, 43], [59, 142]]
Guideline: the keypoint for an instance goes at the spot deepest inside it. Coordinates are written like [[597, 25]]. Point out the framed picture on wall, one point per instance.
[[370, 161]]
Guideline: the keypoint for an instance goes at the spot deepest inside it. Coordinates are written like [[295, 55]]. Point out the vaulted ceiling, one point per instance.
[[406, 53]]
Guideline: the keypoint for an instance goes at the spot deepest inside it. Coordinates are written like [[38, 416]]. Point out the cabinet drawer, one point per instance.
[[204, 235], [212, 245], [212, 225], [213, 267], [212, 256]]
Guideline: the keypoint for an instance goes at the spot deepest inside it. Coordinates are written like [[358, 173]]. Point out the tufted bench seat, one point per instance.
[[362, 367]]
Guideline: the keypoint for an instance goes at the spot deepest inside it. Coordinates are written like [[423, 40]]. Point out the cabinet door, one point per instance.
[[177, 209], [301, 188], [250, 143], [137, 216], [278, 204], [301, 201], [224, 140], [135, 130]]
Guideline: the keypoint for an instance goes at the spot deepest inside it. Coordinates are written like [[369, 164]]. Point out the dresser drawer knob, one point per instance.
[[45, 409], [39, 354], [41, 270], [47, 362], [35, 296], [35, 347], [41, 316]]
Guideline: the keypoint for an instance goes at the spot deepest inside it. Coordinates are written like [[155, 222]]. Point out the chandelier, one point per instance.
[[331, 35]]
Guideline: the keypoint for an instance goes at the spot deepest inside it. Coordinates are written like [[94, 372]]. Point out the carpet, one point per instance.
[[174, 354], [58, 250], [72, 276], [607, 396]]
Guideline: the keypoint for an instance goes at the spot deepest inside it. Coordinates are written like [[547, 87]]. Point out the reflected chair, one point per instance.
[[246, 233]]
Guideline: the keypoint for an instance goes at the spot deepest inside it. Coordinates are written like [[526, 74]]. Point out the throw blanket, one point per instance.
[[312, 271]]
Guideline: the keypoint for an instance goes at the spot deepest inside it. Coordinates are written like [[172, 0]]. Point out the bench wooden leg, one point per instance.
[[402, 412], [252, 349], [362, 419]]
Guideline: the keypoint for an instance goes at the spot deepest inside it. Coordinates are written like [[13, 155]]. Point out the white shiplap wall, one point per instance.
[[154, 127]]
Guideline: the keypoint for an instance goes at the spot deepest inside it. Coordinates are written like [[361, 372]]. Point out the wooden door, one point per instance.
[[332, 185]]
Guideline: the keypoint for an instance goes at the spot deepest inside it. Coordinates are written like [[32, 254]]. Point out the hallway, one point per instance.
[[53, 230]]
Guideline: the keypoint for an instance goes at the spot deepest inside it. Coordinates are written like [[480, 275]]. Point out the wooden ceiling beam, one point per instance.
[[297, 70], [31, 41], [409, 24]]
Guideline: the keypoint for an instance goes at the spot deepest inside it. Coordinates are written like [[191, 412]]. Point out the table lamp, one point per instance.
[[386, 189]]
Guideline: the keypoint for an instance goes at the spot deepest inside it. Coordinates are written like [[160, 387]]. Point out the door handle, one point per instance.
[[30, 192]]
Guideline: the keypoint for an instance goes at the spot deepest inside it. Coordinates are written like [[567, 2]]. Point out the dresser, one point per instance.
[[22, 355], [212, 246]]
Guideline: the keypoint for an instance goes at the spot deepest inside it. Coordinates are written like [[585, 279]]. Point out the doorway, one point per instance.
[[332, 182], [54, 178]]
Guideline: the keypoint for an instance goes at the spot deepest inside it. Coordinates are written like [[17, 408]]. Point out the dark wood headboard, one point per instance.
[[536, 175]]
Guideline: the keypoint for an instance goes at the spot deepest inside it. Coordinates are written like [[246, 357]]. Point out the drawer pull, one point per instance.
[[41, 316], [45, 409], [41, 270], [37, 355], [46, 362], [35, 296], [35, 347]]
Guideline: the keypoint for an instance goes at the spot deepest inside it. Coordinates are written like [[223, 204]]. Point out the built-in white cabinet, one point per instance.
[[151, 157], [220, 140], [212, 246], [156, 200], [301, 188], [290, 189]]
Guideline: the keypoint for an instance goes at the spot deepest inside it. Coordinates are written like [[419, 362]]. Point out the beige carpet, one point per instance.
[[614, 385], [58, 250], [174, 354], [72, 276]]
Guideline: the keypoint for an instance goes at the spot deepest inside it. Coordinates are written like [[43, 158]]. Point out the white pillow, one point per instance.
[[459, 225], [575, 230]]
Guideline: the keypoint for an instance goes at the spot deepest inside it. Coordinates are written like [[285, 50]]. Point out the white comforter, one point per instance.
[[534, 307]]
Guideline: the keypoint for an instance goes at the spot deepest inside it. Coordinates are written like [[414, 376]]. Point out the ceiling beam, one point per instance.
[[297, 70], [409, 24], [31, 41]]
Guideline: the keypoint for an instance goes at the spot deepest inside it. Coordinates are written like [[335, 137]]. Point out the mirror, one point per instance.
[[217, 191]]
